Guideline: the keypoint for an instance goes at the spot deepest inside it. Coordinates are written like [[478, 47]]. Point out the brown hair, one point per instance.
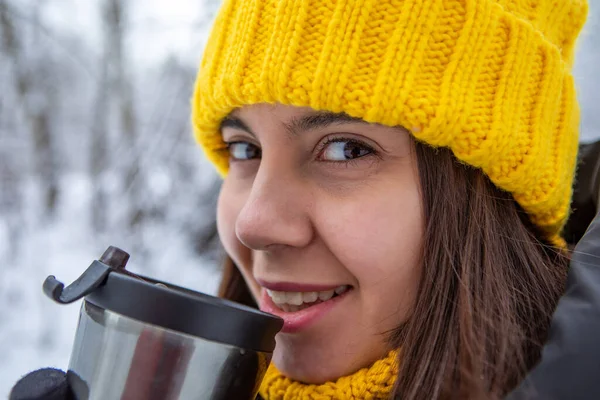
[[488, 288]]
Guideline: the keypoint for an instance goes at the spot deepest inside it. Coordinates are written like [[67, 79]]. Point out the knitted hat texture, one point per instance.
[[490, 79]]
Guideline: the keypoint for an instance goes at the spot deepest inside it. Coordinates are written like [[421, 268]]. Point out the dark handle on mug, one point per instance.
[[93, 277]]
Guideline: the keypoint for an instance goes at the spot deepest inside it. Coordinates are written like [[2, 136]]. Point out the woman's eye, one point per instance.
[[344, 150], [242, 151]]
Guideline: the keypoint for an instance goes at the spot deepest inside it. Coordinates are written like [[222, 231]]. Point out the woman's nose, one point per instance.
[[276, 213]]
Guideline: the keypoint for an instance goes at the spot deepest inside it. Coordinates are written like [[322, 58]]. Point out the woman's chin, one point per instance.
[[305, 367], [314, 366]]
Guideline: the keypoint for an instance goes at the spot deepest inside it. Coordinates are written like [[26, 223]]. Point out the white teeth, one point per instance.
[[294, 308], [310, 297], [294, 298], [278, 297], [291, 301], [326, 295], [341, 289]]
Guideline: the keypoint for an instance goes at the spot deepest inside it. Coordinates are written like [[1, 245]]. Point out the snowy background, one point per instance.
[[96, 150]]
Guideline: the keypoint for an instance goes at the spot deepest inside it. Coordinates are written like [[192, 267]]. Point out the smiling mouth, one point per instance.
[[290, 302]]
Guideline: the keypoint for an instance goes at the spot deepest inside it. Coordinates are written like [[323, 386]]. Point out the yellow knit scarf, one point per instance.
[[371, 383]]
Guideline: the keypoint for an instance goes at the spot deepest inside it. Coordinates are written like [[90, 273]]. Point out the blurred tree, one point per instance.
[[98, 155], [35, 98], [115, 15], [172, 154], [114, 111], [11, 196], [122, 90]]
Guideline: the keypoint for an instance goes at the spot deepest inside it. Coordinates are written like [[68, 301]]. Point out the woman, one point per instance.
[[397, 175]]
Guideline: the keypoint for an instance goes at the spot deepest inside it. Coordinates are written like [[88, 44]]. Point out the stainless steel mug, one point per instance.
[[139, 338]]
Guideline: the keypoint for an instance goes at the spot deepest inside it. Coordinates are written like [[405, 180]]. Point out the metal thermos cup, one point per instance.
[[139, 338]]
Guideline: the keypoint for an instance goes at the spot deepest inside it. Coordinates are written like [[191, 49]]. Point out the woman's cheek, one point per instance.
[[225, 219], [378, 240], [228, 209]]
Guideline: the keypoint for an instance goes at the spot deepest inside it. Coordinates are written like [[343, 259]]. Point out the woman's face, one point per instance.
[[317, 203]]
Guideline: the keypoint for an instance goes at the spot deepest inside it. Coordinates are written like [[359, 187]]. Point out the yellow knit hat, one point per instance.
[[490, 79]]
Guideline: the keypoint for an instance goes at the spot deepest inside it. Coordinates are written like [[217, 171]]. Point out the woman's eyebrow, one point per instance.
[[235, 123], [319, 120], [297, 125]]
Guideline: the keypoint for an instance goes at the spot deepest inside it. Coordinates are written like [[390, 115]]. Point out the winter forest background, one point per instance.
[[96, 150]]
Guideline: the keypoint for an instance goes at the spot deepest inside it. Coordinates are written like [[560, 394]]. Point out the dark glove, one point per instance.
[[43, 384]]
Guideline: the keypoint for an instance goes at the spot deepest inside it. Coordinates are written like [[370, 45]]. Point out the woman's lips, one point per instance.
[[298, 320]]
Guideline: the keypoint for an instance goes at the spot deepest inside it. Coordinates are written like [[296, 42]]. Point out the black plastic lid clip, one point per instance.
[[93, 277]]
